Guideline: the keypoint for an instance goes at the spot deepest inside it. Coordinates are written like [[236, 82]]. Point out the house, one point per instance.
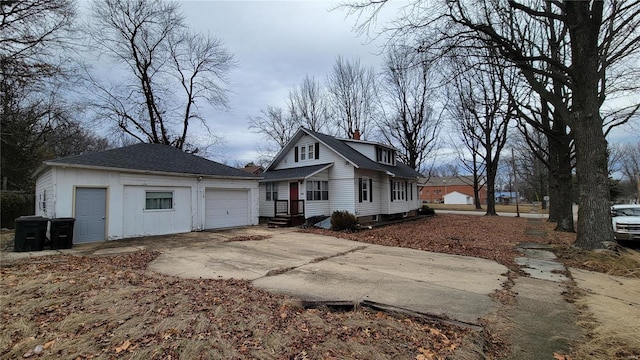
[[435, 188], [506, 197], [253, 169], [316, 174], [457, 198], [144, 189]]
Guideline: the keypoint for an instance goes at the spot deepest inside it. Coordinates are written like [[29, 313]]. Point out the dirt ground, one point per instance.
[[111, 307]]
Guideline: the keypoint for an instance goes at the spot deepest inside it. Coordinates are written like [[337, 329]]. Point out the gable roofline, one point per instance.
[[301, 132], [147, 158], [349, 154], [49, 164]]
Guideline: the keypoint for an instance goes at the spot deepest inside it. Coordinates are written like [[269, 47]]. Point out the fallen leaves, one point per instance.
[[561, 357], [125, 345], [488, 237], [115, 308]]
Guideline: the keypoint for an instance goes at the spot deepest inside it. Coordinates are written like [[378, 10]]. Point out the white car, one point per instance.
[[626, 221]]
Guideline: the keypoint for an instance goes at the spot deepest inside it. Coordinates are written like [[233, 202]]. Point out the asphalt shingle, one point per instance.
[[292, 173], [153, 157]]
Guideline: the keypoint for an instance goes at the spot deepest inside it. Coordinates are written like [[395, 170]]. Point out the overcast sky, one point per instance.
[[276, 43]]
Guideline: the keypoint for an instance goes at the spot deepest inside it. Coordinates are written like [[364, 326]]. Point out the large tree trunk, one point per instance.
[[594, 218], [561, 176]]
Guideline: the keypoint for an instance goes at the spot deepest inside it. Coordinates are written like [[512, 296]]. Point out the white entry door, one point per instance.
[[226, 208]]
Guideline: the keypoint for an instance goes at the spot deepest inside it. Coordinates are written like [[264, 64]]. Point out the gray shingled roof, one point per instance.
[[293, 173], [363, 162], [153, 157]]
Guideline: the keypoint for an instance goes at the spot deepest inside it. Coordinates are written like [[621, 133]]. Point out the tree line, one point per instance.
[[547, 78]]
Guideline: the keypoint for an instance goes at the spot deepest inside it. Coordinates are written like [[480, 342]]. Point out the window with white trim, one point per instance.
[[399, 190], [303, 153], [317, 190], [385, 155], [159, 200], [365, 189], [272, 191], [311, 152]]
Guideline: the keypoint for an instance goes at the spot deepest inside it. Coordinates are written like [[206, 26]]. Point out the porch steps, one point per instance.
[[279, 221], [285, 221]]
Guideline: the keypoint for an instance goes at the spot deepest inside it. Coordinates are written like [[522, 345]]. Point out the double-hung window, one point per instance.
[[272, 191], [365, 189], [317, 190], [159, 200], [311, 152], [303, 153]]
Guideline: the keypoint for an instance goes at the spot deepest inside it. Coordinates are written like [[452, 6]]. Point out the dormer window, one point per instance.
[[306, 152], [385, 155]]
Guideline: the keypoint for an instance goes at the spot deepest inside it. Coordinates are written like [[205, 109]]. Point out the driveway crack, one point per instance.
[[283, 270]]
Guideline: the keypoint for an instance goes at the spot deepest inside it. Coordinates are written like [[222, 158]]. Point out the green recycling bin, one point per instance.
[[31, 232], [61, 232]]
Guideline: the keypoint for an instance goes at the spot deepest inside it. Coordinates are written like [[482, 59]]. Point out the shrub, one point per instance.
[[343, 220], [13, 206], [426, 210]]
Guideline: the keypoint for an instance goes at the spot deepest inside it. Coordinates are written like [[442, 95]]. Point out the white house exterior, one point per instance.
[[317, 174], [457, 198], [142, 190]]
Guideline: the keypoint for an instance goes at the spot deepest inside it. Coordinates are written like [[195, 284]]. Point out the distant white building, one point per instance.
[[456, 198]]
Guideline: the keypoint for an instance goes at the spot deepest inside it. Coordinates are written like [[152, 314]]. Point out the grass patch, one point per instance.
[[524, 208], [622, 262]]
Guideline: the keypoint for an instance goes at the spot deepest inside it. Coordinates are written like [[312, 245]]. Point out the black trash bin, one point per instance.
[[61, 232], [31, 232]]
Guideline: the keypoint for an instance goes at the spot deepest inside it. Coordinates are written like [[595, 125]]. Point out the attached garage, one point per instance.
[[226, 208], [145, 190]]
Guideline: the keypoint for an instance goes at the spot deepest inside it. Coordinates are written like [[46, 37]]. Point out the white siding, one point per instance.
[[341, 187], [368, 150], [137, 221], [265, 207], [45, 194], [317, 207], [326, 155], [406, 205], [66, 180], [367, 207]]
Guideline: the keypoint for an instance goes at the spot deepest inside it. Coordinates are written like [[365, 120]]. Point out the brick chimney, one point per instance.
[[356, 134]]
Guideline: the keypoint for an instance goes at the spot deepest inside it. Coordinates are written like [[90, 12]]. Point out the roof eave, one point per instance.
[[150, 172]]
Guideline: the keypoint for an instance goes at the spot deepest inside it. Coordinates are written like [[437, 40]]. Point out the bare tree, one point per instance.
[[34, 33], [603, 44], [352, 90], [151, 40], [483, 111], [35, 45], [275, 125], [308, 105], [409, 120]]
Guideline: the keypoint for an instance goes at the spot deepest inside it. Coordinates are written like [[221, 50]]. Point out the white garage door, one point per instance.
[[226, 208]]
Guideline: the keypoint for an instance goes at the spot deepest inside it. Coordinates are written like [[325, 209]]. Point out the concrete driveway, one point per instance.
[[322, 268]]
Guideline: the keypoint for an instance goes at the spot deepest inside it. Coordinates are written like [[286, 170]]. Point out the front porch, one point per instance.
[[288, 213]]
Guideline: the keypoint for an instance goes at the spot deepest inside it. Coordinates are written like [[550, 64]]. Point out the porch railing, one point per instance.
[[288, 207]]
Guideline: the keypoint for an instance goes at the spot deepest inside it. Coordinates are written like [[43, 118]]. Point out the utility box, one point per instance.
[[61, 232], [31, 232]]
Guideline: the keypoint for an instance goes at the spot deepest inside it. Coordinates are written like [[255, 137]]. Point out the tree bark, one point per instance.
[[594, 218]]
